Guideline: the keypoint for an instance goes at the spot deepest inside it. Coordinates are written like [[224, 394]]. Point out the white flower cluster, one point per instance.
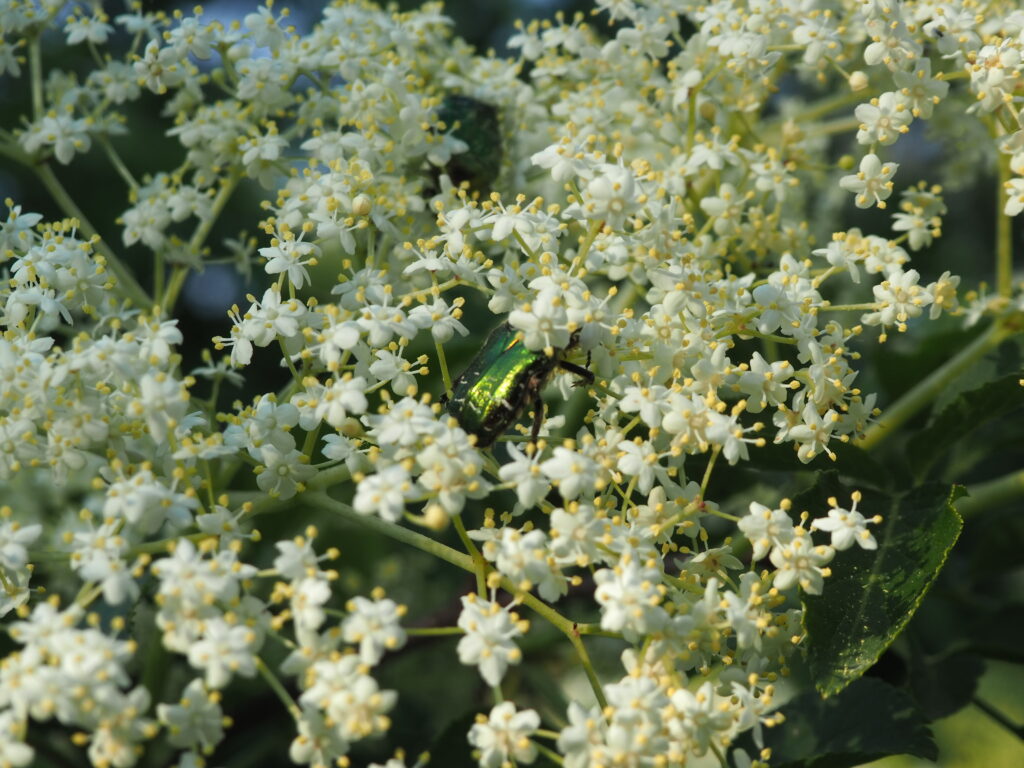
[[645, 206], [75, 675]]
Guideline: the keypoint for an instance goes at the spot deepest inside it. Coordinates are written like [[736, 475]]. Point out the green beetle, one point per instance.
[[504, 377]]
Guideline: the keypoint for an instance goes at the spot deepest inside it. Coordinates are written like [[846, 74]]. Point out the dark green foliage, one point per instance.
[[868, 720], [873, 593]]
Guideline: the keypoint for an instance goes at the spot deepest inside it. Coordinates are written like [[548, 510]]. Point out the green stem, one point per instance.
[[1004, 232], [278, 688], [822, 108], [568, 628], [592, 231], [841, 125], [432, 631], [35, 64], [125, 280], [999, 717], [478, 559], [118, 163], [195, 243], [864, 307], [550, 754], [442, 363], [995, 493], [926, 390], [465, 562], [396, 532]]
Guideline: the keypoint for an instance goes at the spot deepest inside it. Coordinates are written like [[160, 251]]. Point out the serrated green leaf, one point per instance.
[[969, 411], [872, 594], [869, 720]]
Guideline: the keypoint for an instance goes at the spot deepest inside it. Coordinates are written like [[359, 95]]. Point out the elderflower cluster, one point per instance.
[[636, 203]]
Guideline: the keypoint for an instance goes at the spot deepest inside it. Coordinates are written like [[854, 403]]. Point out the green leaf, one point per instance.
[[869, 720], [969, 411], [872, 594], [945, 685], [998, 636]]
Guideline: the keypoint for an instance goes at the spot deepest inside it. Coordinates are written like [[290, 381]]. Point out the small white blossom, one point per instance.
[[800, 563], [848, 527], [504, 737], [196, 721], [374, 626], [489, 642], [872, 184]]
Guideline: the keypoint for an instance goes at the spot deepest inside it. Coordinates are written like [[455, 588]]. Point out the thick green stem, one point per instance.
[[995, 493], [396, 532], [925, 392], [35, 64]]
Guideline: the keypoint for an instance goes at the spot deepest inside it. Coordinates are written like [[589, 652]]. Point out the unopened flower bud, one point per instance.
[[858, 81], [361, 205]]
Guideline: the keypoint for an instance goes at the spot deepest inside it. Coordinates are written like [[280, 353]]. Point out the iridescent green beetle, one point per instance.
[[504, 377]]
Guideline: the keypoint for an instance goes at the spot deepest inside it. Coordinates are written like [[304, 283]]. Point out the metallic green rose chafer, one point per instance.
[[501, 381]]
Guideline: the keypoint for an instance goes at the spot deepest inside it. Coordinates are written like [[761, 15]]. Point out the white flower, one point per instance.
[[800, 563], [353, 702], [630, 596], [571, 472], [525, 559], [384, 493], [1014, 197], [544, 322], [524, 474], [161, 402], [440, 318], [374, 625], [766, 528], [699, 719], [283, 473], [64, 133], [504, 737], [341, 399], [848, 527], [225, 650], [813, 432], [307, 602], [584, 733], [919, 90], [290, 255], [611, 195], [90, 29], [489, 642], [899, 298], [883, 120], [196, 721], [13, 749], [872, 183]]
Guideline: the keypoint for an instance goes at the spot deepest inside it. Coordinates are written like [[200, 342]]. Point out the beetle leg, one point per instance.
[[579, 370], [538, 417]]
